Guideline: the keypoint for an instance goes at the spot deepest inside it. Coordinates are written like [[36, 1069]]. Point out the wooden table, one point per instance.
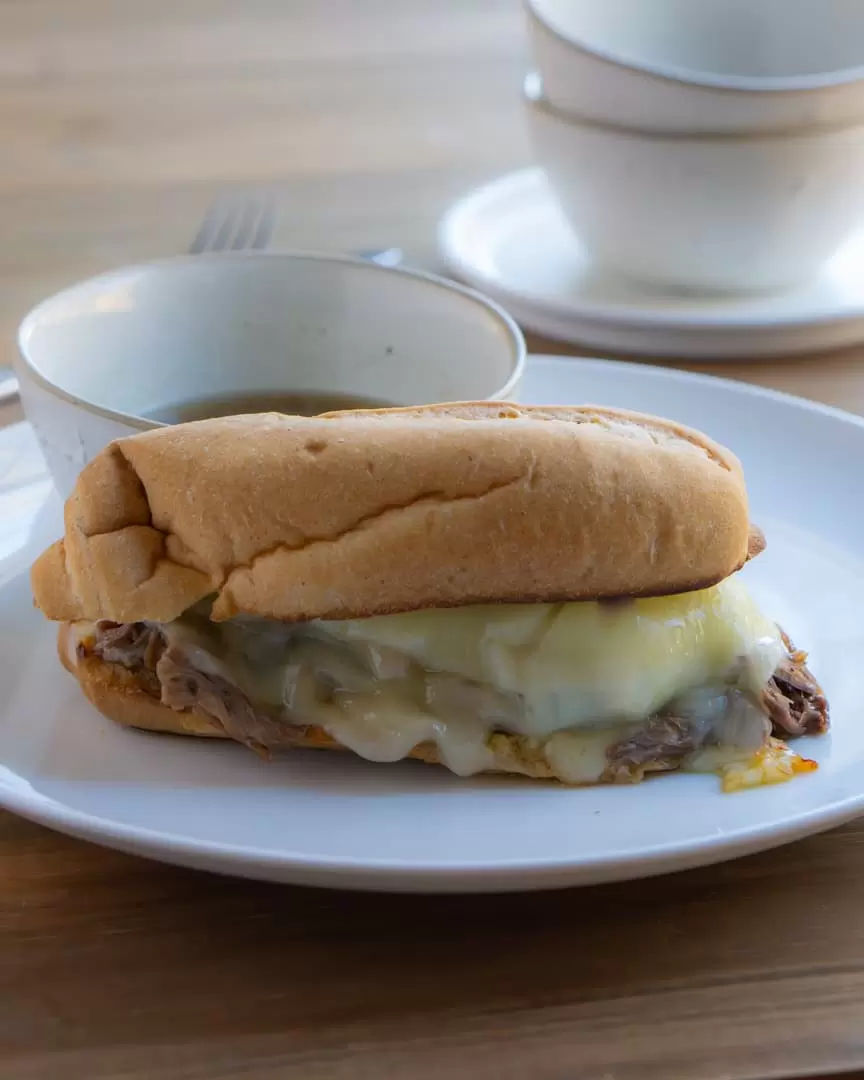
[[120, 122]]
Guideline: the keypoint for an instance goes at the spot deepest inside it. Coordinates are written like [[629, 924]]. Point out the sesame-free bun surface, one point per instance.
[[367, 513]]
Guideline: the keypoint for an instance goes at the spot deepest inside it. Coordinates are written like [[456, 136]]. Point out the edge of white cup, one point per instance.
[[733, 84], [534, 96], [140, 423]]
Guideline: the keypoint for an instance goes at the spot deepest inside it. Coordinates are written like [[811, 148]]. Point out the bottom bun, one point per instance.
[[119, 695]]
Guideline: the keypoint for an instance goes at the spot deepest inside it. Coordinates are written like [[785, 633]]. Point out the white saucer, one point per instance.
[[334, 820], [510, 240]]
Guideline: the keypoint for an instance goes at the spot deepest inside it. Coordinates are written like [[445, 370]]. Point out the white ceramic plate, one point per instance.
[[510, 239], [334, 820]]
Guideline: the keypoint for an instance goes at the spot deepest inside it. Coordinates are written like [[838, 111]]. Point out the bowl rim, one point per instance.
[[23, 362], [778, 85], [535, 98]]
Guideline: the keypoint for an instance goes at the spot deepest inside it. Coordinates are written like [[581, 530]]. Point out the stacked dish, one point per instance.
[[702, 146], [698, 182]]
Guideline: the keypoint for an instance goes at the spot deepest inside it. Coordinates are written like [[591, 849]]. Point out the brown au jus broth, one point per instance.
[[292, 403]]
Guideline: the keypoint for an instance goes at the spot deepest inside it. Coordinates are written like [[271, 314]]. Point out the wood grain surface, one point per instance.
[[121, 120]]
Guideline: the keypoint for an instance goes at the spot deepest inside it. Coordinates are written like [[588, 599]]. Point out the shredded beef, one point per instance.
[[793, 699], [184, 687], [133, 645], [658, 746], [167, 673]]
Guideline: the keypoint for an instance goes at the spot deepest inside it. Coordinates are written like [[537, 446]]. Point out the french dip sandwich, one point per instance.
[[548, 592]]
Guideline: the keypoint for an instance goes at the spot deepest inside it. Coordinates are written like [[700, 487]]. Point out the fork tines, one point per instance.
[[237, 223]]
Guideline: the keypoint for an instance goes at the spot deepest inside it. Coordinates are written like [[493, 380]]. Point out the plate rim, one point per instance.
[[503, 875]]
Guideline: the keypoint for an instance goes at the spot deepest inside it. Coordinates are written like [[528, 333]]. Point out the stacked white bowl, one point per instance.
[[706, 145]]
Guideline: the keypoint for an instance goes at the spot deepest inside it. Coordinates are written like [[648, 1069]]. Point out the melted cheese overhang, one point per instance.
[[587, 663], [584, 674]]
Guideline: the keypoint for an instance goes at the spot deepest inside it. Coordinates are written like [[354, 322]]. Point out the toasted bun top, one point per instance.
[[362, 513]]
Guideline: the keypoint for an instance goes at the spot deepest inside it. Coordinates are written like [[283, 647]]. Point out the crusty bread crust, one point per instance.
[[358, 514], [118, 695]]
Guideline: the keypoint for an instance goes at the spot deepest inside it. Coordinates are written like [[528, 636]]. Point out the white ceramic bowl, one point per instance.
[[97, 357], [703, 65], [717, 213]]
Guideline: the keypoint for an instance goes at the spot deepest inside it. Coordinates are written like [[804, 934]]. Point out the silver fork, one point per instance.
[[238, 222], [247, 222]]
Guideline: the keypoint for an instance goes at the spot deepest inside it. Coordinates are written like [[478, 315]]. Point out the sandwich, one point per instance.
[[546, 592]]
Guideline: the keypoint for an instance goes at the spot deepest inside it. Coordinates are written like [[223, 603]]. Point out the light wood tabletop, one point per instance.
[[121, 122]]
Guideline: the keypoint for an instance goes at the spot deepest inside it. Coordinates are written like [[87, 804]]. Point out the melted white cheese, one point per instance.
[[587, 663], [387, 729], [581, 674]]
